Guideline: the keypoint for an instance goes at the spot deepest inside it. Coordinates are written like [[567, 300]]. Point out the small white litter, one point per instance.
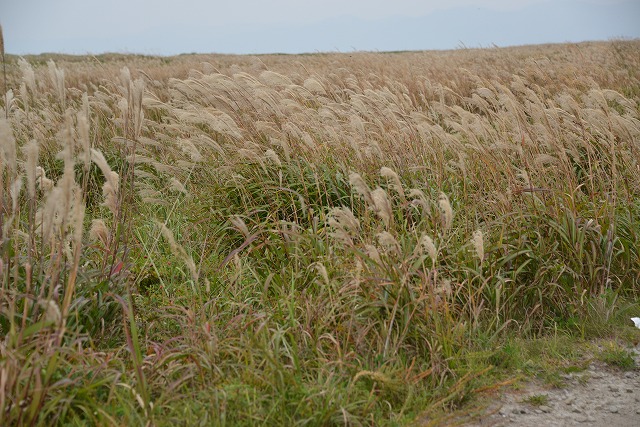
[[636, 321]]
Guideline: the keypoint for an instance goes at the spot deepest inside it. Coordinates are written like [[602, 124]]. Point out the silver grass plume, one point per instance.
[[77, 216], [344, 224], [85, 142], [51, 311], [446, 211], [112, 181], [389, 242], [176, 185], [271, 78], [31, 150], [45, 183], [28, 75], [382, 206], [4, 74], [15, 190], [418, 198], [7, 146], [99, 232], [395, 181], [24, 95], [240, 225], [361, 187], [322, 270], [372, 253], [57, 79], [427, 245], [50, 216], [314, 86], [478, 244], [273, 157]]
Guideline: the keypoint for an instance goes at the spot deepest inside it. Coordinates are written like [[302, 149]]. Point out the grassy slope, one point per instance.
[[321, 239]]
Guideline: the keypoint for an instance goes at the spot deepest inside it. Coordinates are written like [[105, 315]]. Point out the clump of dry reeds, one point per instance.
[[249, 228]]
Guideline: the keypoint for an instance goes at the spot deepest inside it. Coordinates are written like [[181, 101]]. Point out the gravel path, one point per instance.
[[598, 396]]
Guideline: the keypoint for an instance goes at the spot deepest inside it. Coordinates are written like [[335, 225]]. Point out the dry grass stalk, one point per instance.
[[4, 75], [179, 251]]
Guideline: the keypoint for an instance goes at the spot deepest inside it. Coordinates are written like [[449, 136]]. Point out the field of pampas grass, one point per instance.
[[326, 239]]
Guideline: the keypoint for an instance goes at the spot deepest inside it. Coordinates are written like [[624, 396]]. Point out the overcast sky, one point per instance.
[[167, 27]]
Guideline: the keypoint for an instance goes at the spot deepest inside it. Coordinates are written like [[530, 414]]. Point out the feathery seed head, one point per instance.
[[24, 95], [31, 150], [271, 155], [361, 187], [282, 143], [446, 211], [478, 244], [85, 142], [427, 244], [382, 205], [190, 149], [419, 199], [112, 181], [395, 180], [99, 232], [344, 223], [57, 79], [7, 145], [176, 185], [240, 225], [271, 78], [445, 288], [343, 218], [28, 75], [543, 159], [372, 253], [178, 251], [50, 217], [314, 86], [15, 190], [125, 77], [85, 106], [8, 103], [77, 216], [52, 311], [98, 158], [389, 242], [41, 178], [110, 192], [322, 270]]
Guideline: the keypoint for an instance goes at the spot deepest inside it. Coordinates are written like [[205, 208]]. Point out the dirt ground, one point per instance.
[[598, 396]]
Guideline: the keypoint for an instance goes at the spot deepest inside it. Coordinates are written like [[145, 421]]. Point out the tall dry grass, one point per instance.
[[321, 239]]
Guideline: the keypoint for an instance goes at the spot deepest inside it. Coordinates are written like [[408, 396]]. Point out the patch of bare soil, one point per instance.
[[598, 396]]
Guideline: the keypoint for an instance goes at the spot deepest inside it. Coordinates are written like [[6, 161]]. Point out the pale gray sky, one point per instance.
[[167, 27]]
